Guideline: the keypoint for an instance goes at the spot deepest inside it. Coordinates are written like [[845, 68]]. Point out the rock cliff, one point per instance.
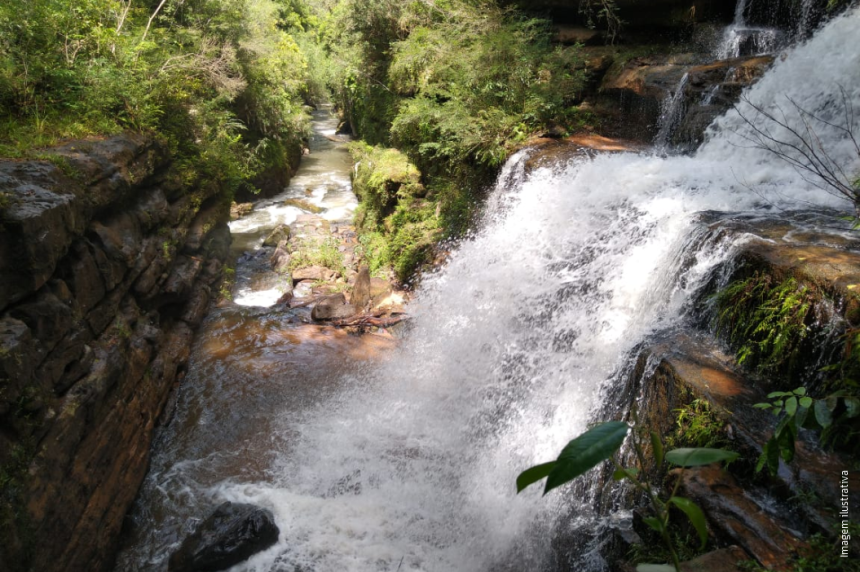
[[107, 264]]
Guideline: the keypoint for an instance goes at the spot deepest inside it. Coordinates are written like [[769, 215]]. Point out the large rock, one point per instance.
[[281, 258], [642, 88], [105, 268], [736, 514], [361, 291], [279, 234], [232, 534], [333, 307], [314, 273]]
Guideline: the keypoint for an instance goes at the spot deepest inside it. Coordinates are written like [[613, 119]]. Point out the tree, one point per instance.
[[793, 135]]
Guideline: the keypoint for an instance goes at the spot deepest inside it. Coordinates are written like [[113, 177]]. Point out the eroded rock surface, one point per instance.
[[106, 267]]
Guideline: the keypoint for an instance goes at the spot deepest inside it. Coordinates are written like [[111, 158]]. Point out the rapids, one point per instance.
[[407, 460]]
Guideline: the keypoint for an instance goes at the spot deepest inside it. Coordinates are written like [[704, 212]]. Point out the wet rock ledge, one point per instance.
[[107, 264]]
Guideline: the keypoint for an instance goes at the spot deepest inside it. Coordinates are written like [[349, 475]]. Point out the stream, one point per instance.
[[381, 458]]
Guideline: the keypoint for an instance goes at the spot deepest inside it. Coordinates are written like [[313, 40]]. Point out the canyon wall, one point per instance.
[[107, 264]]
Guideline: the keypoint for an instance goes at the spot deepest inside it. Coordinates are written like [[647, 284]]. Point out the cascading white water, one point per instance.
[[741, 39], [411, 466], [671, 114]]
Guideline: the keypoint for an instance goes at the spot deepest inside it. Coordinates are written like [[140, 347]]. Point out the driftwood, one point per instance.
[[372, 320]]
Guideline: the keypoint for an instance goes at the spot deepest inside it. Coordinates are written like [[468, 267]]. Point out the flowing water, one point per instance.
[[742, 39], [406, 459]]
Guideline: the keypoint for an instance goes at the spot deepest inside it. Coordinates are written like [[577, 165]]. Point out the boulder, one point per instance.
[[280, 260], [314, 273], [231, 534], [361, 291], [722, 560], [280, 233], [734, 513], [332, 307], [238, 210]]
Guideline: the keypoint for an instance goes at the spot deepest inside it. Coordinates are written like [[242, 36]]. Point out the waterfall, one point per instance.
[[671, 114], [743, 39], [410, 465]]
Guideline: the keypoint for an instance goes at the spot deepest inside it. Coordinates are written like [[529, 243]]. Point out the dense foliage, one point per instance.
[[221, 81], [456, 85]]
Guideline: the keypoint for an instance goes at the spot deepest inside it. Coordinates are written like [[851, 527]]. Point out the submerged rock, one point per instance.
[[232, 534]]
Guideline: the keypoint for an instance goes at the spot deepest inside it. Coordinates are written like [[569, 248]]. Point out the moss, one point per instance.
[[697, 425], [767, 321], [318, 253], [381, 178], [397, 227]]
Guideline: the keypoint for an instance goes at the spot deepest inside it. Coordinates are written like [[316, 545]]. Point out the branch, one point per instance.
[[151, 18]]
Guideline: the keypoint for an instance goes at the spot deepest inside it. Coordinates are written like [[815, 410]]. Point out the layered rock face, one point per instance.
[[107, 265]]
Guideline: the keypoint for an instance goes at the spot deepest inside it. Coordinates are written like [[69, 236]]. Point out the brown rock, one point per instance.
[[48, 318], [361, 292], [278, 235], [332, 307], [281, 258], [314, 273], [239, 210], [733, 514], [722, 560], [304, 205], [17, 361]]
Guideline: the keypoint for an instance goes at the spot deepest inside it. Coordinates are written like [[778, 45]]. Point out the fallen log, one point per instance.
[[370, 321]]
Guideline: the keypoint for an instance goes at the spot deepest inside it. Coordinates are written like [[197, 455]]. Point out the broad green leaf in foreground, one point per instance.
[[586, 451], [696, 457], [657, 447], [823, 414], [533, 475], [695, 514], [655, 568]]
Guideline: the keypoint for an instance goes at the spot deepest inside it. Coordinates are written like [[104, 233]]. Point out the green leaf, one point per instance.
[[533, 475], [791, 405], [654, 523], [695, 457], [762, 405], [586, 451], [806, 402], [657, 446], [695, 514], [785, 439], [800, 416], [625, 474], [832, 402], [777, 394], [852, 405], [800, 391], [654, 568], [823, 414]]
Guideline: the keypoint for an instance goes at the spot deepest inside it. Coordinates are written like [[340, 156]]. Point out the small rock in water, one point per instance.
[[232, 534], [304, 205]]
